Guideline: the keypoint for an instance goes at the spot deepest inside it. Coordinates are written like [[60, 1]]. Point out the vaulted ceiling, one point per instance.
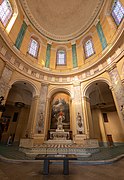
[[61, 19]]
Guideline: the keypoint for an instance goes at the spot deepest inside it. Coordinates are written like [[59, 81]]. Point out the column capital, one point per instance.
[[76, 83], [9, 67], [49, 41], [26, 21], [35, 97], [96, 21], [111, 67], [73, 42], [86, 98], [111, 88]]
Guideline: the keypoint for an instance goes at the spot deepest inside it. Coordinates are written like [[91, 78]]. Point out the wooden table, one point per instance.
[[48, 157]]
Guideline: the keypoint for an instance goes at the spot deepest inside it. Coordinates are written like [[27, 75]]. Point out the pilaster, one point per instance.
[[32, 116], [117, 90]]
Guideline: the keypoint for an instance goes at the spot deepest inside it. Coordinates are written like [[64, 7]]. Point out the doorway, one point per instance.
[[110, 140]]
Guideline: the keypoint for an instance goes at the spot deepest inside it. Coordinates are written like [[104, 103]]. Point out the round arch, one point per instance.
[[31, 86], [57, 90], [86, 89], [64, 106]]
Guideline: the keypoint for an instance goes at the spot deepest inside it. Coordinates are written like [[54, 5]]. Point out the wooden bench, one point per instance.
[[48, 157]]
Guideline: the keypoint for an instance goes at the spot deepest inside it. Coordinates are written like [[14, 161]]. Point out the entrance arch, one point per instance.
[[16, 115], [103, 119]]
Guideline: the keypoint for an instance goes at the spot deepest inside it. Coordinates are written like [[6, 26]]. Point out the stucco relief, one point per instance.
[[4, 81], [41, 110]]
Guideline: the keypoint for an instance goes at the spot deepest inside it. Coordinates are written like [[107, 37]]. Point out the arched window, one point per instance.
[[61, 57], [33, 48], [117, 12], [5, 12], [88, 47]]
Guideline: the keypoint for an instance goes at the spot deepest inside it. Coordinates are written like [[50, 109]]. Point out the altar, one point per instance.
[[59, 135]]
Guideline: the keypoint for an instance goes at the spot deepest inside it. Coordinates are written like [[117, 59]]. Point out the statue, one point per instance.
[[79, 123], [60, 118], [40, 122]]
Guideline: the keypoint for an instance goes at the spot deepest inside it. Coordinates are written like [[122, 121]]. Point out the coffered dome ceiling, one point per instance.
[[61, 20]]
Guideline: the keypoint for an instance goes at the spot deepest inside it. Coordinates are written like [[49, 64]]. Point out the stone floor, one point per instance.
[[14, 167], [33, 171], [12, 152]]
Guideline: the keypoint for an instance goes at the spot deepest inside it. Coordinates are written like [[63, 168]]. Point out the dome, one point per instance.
[[61, 20]]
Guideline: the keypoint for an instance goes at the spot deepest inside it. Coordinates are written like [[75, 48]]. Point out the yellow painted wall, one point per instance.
[[96, 127], [113, 127], [108, 29], [16, 27]]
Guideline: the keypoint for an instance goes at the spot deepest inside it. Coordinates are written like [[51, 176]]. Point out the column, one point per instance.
[[111, 22], [78, 108], [74, 55], [21, 35], [102, 128], [48, 52], [4, 80], [117, 91], [46, 119], [101, 35], [85, 101], [32, 116], [73, 118], [78, 118]]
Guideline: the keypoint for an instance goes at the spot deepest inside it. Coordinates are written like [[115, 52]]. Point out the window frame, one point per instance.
[[37, 50], [57, 56], [84, 47], [114, 16], [9, 16]]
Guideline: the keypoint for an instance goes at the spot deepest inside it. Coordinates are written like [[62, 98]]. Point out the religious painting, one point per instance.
[[60, 107]]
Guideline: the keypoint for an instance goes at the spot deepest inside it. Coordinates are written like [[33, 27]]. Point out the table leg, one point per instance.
[[46, 167], [65, 167]]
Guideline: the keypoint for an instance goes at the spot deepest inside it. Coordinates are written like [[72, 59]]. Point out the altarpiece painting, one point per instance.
[[60, 107]]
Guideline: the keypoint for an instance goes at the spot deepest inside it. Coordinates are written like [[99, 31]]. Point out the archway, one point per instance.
[[17, 109], [104, 123], [60, 105]]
